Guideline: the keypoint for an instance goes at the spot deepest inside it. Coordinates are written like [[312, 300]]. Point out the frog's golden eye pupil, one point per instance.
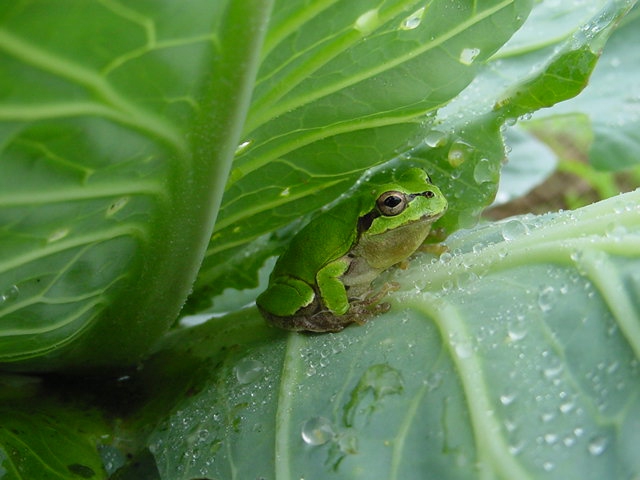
[[392, 203]]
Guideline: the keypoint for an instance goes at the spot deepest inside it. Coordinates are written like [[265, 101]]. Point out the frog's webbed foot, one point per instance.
[[371, 304], [375, 297]]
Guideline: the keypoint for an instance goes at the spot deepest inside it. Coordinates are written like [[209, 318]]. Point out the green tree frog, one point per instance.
[[322, 282]]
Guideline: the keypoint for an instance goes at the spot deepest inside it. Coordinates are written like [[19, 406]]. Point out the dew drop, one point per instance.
[[567, 407], [546, 298], [243, 146], [317, 431], [463, 349], [482, 173], [510, 426], [598, 445], [458, 153], [548, 466], [58, 235], [516, 333], [576, 256], [478, 247], [547, 417], [553, 371], [285, 193], [468, 55], [414, 20], [513, 229], [507, 399], [446, 257], [435, 138], [10, 294], [515, 449], [367, 22], [248, 370], [613, 367]]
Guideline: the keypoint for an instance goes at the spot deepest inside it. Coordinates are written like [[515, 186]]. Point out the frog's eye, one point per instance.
[[392, 203]]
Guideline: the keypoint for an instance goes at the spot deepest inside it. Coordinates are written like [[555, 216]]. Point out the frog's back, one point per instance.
[[327, 237]]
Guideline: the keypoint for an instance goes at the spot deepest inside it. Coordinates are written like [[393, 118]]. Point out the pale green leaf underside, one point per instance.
[[514, 356]]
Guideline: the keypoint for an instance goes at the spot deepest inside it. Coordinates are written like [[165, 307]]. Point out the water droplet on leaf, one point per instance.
[[243, 146], [546, 298], [598, 445], [435, 138], [463, 349], [248, 370], [516, 332], [483, 172], [367, 22], [459, 153], [446, 257], [567, 407], [553, 371], [468, 55], [513, 229], [413, 20], [507, 399], [317, 431], [59, 234]]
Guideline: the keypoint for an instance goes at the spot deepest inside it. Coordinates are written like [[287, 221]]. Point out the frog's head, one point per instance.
[[410, 198]]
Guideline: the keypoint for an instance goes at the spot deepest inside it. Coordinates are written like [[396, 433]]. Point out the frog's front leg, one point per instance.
[[341, 308], [332, 289]]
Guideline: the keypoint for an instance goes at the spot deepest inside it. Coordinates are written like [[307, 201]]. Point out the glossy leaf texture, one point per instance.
[[108, 187], [516, 355]]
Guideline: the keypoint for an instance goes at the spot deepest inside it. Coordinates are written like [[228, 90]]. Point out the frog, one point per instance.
[[323, 280]]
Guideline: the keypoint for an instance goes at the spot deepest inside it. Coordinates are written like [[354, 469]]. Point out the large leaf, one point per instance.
[[342, 87], [117, 128], [515, 356], [476, 371]]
